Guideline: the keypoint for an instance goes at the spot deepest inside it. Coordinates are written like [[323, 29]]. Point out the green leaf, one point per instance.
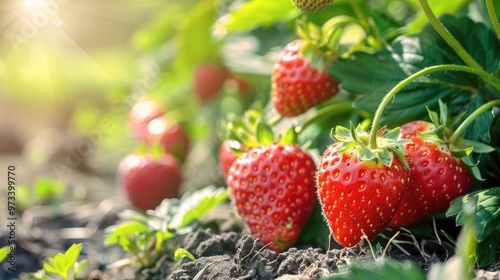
[[196, 204], [127, 228], [479, 147], [4, 251], [256, 13], [181, 253], [61, 264], [412, 53], [381, 269], [486, 214]]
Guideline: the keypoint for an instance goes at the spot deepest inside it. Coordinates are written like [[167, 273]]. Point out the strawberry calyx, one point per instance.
[[459, 147], [357, 139], [252, 130]]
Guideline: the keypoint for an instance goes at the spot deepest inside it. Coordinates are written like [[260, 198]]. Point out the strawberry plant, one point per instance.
[[64, 265], [149, 235]]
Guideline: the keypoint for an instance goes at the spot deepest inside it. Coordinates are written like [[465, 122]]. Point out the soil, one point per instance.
[[223, 248]]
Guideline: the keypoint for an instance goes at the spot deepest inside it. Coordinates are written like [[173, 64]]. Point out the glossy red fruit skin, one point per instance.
[[311, 5], [437, 177], [145, 181], [226, 156], [140, 115], [172, 137], [208, 81], [296, 85], [358, 196], [273, 190]]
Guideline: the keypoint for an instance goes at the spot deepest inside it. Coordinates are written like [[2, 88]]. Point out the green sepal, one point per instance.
[[366, 154], [341, 134], [290, 137], [460, 153], [265, 134]]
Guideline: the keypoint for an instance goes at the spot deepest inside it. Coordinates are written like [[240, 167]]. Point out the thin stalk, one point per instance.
[[426, 71], [446, 35], [493, 16], [461, 129], [369, 25]]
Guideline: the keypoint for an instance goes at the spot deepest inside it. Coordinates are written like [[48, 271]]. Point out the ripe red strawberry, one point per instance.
[[140, 115], [208, 80], [437, 177], [361, 180], [227, 156], [358, 195], [171, 136], [311, 5], [145, 180], [273, 190], [296, 85]]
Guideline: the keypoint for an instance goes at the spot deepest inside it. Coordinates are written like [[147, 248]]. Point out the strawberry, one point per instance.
[[171, 137], [145, 180], [273, 190], [437, 177], [208, 80], [141, 114], [227, 156], [359, 187], [297, 86], [311, 5]]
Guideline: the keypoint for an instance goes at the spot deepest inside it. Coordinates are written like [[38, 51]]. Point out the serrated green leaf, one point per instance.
[[196, 204], [61, 264], [381, 269], [412, 53], [265, 135], [487, 211], [256, 13]]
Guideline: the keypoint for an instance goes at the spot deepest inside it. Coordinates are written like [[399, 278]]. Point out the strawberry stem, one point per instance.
[[493, 16], [487, 77], [447, 36], [461, 129], [369, 25]]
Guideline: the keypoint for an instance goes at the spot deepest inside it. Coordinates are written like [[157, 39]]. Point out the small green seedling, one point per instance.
[[64, 265], [181, 253], [144, 235]]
